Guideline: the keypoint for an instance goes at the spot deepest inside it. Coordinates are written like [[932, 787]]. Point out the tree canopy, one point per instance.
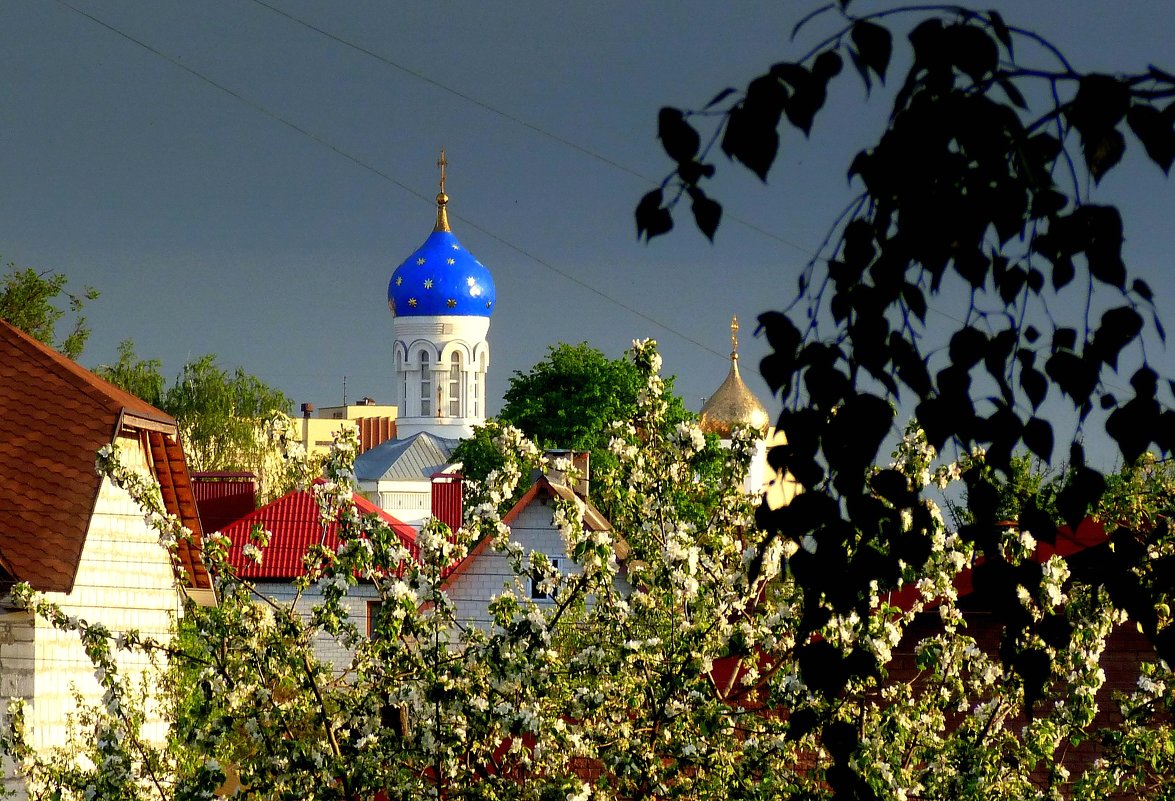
[[29, 300], [982, 186], [221, 414], [566, 401]]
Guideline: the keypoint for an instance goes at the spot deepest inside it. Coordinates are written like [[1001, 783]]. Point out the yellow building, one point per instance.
[[375, 424]]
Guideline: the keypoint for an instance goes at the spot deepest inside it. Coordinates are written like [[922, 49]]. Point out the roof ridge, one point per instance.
[[86, 381]]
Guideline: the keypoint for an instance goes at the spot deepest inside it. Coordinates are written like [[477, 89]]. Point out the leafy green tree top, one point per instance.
[[28, 300], [222, 415], [567, 401]]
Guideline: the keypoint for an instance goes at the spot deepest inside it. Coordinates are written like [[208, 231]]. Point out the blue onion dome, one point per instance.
[[441, 277]]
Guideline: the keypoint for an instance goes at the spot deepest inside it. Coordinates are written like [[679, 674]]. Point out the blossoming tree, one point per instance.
[[682, 659]]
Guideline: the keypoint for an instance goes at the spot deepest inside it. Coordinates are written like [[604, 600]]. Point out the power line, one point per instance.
[[508, 116], [359, 162]]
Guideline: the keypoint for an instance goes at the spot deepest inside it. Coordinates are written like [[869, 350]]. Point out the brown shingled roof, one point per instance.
[[54, 416]]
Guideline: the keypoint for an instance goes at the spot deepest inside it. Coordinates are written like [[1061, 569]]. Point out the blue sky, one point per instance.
[[262, 223]]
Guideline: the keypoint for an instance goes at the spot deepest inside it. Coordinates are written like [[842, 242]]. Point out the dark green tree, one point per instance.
[[567, 401], [29, 300], [981, 187]]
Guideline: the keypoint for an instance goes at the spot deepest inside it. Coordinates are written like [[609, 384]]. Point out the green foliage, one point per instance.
[[566, 402], [224, 418], [28, 300], [143, 378], [981, 186], [568, 399], [221, 413]]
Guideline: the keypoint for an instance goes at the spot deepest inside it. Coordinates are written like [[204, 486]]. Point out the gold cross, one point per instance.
[[442, 162], [734, 334]]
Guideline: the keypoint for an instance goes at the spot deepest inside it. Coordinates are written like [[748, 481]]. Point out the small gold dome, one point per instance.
[[733, 404]]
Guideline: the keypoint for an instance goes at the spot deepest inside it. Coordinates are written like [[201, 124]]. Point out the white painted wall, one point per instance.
[[326, 648], [490, 572], [125, 580]]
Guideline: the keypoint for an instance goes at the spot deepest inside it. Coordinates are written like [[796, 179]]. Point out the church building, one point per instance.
[[441, 299]]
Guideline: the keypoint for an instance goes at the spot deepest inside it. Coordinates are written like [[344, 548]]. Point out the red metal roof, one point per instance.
[[1089, 533], [223, 497], [54, 416], [293, 523]]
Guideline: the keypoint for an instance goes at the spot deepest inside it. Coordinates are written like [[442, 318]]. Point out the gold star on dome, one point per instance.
[[412, 302], [456, 247], [399, 280], [420, 260], [451, 261], [428, 283], [452, 303]]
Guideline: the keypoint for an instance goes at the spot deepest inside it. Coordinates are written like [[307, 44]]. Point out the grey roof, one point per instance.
[[420, 456]]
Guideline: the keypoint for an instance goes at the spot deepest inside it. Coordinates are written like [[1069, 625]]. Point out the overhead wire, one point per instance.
[[361, 163], [505, 115]]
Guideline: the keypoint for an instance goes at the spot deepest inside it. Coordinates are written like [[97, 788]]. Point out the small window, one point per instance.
[[373, 608], [537, 594]]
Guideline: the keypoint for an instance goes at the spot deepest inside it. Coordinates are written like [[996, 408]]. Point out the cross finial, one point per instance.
[[734, 337], [442, 198]]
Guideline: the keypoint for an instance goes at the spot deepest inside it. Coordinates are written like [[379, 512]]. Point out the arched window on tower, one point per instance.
[[402, 369], [455, 385], [479, 379], [425, 386], [476, 394]]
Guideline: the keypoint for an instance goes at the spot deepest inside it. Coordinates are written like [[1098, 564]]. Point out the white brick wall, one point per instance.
[[126, 581], [490, 572], [326, 648]]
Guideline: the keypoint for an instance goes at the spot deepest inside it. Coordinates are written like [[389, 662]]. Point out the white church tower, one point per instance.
[[441, 300]]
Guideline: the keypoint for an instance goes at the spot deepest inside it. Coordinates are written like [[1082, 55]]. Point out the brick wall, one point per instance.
[[326, 648], [125, 580]]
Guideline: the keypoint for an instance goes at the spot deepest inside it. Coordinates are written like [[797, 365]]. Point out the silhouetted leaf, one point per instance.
[[862, 69], [1065, 339], [1119, 327], [968, 346], [1103, 152], [822, 667], [1100, 103], [1142, 289], [1000, 29], [751, 138], [1155, 132], [1038, 437], [691, 172], [718, 98], [1035, 386], [1075, 377], [972, 51], [1012, 92], [707, 212], [677, 136], [827, 65], [651, 219], [893, 486], [875, 46], [1085, 487]]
